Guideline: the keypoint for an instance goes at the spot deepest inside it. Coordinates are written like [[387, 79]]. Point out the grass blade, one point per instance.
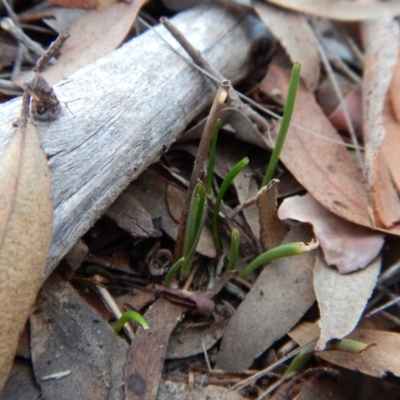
[[287, 116], [222, 190]]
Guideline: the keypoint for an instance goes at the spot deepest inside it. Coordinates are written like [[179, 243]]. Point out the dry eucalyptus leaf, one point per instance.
[[342, 10], [342, 298], [20, 384], [90, 40], [187, 341], [381, 357], [131, 216], [68, 334], [147, 352], [382, 43], [299, 43], [170, 390], [272, 229], [346, 246], [151, 191], [278, 299], [62, 18], [391, 146], [26, 213], [325, 168]]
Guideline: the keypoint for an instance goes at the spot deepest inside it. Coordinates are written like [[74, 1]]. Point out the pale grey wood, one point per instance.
[[124, 110]]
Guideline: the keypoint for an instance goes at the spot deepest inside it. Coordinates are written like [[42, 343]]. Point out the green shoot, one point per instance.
[[222, 190], [285, 250], [130, 316], [351, 346], [287, 116], [213, 153], [234, 252], [301, 358], [172, 272], [298, 363], [194, 226]]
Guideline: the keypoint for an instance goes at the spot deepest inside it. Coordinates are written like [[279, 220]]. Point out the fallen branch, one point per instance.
[[122, 112]]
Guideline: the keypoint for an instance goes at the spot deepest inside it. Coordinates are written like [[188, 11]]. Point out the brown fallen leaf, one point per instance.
[[147, 352], [346, 246], [150, 190], [342, 298], [187, 341], [341, 10], [26, 213], [382, 355], [272, 229], [89, 40], [324, 167], [279, 298], [170, 390], [131, 216], [84, 3], [20, 384], [299, 43], [391, 146], [381, 41], [67, 334]]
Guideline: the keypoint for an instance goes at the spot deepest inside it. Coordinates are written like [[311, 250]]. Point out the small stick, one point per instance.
[[199, 60], [52, 51], [44, 105], [113, 306], [8, 25], [199, 162]]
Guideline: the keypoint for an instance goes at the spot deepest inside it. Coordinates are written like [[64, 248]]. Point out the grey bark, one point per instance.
[[125, 110]]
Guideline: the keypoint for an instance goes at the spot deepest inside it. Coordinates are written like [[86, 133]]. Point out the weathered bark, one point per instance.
[[123, 111]]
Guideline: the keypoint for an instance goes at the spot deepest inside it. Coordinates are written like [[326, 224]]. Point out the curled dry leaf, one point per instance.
[[342, 10], [382, 355], [381, 37], [299, 43], [347, 246], [26, 213], [342, 298]]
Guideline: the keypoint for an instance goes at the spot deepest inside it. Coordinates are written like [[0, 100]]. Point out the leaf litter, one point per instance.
[[122, 244]]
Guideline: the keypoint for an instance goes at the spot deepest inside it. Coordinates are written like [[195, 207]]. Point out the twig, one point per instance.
[[244, 97], [9, 87], [339, 95], [199, 162], [265, 371], [234, 99], [52, 51], [44, 105], [112, 305], [8, 25]]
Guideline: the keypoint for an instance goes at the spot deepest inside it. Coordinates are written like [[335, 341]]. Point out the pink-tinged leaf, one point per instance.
[[347, 246]]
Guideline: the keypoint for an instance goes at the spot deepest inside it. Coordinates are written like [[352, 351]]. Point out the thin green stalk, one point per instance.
[[172, 272], [287, 116], [301, 358], [285, 250], [213, 153], [194, 226], [222, 190], [298, 363], [234, 251], [349, 345], [130, 316]]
